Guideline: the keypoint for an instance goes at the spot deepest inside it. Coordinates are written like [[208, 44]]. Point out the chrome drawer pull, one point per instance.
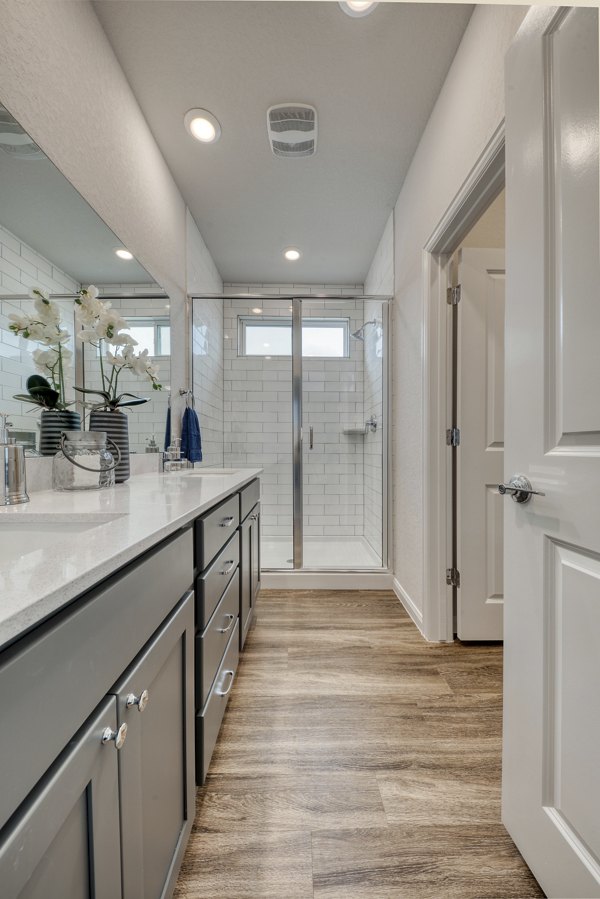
[[227, 522], [223, 630], [228, 690], [231, 563], [141, 701], [119, 736], [254, 517]]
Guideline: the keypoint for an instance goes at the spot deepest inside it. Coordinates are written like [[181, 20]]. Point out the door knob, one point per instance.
[[519, 488]]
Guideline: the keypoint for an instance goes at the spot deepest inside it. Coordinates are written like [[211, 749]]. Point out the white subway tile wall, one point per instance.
[[207, 375], [373, 407], [147, 421], [21, 268]]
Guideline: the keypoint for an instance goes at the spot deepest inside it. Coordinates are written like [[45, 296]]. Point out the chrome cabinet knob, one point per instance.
[[227, 522], [119, 736], [141, 701], [519, 488]]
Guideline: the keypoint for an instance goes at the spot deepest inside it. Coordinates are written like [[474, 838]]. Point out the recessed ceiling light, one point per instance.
[[357, 8], [257, 310], [123, 253], [291, 254], [202, 125]]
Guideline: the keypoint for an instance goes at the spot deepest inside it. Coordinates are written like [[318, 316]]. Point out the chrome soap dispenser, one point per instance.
[[14, 484]]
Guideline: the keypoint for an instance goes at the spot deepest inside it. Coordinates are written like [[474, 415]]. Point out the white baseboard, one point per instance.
[[326, 580], [407, 602]]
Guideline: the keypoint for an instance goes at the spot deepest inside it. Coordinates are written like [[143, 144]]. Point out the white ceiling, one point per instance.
[[373, 80]]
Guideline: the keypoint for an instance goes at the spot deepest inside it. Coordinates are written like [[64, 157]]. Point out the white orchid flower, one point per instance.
[[37, 292], [87, 335], [91, 291], [19, 322], [47, 311], [115, 360], [122, 339]]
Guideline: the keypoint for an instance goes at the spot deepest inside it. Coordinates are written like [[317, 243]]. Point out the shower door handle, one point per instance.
[[311, 435]]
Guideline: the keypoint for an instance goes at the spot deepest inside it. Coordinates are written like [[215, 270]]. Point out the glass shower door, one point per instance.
[[342, 426]]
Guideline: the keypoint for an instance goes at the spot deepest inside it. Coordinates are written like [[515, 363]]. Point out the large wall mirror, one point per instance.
[[51, 240]]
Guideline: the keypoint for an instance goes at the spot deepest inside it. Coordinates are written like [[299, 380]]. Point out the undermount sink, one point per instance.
[[28, 532]]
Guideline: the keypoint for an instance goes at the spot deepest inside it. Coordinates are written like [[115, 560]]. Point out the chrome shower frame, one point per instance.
[[297, 388]]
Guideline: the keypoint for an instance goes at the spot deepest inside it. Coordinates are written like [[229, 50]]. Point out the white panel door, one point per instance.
[[551, 764], [480, 457]]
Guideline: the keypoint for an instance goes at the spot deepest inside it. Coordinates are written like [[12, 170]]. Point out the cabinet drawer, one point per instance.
[[249, 496], [214, 529], [211, 644], [208, 721], [51, 680], [211, 585]]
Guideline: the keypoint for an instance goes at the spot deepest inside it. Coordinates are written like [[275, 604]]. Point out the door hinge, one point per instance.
[[453, 295], [453, 437], [453, 577]]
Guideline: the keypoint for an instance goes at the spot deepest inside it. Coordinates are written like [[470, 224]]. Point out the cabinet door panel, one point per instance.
[[64, 840], [255, 554], [245, 578], [157, 764]]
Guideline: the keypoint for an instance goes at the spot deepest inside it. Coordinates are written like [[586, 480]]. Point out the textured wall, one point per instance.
[[467, 113], [373, 442]]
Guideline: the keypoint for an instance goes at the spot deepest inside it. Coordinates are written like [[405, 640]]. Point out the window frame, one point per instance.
[[282, 321], [156, 323]]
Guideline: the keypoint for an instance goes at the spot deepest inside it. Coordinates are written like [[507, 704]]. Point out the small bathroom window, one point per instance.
[[322, 338], [152, 334]]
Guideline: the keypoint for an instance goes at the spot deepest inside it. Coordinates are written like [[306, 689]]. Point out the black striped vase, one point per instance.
[[52, 424], [117, 429]]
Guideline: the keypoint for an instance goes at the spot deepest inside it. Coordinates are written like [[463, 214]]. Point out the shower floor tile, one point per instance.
[[320, 552]]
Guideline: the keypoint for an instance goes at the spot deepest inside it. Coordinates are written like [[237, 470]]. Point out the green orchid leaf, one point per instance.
[[47, 396], [36, 381], [134, 401], [28, 398], [102, 393]]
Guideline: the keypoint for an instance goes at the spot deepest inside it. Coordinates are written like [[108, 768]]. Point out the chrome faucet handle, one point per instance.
[[5, 424]]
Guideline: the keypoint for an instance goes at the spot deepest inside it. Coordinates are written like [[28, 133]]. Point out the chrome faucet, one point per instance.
[[12, 459]]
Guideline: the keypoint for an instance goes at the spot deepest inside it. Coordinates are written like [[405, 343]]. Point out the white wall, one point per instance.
[[468, 111], [348, 290], [380, 277]]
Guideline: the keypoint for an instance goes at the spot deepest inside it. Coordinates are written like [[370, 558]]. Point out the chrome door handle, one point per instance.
[[519, 488], [231, 564], [224, 630], [227, 522], [141, 701], [311, 435], [228, 690], [119, 736]]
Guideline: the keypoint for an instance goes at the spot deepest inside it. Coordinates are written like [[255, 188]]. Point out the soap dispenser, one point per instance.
[[12, 458]]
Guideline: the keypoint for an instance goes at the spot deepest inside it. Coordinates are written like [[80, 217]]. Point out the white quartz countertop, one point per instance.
[[59, 545]]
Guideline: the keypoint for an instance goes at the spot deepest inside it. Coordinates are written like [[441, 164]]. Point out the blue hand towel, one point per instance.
[[168, 429], [191, 441]]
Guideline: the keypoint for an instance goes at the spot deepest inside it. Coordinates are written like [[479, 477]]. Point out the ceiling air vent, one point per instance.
[[292, 129], [14, 140]]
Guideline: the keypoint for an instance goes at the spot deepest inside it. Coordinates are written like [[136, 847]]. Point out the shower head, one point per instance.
[[360, 333]]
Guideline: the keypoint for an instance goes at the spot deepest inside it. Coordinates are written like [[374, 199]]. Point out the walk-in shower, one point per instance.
[[298, 387]]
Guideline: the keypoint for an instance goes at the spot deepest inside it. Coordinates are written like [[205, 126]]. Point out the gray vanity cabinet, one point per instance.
[[63, 842], [249, 569], [155, 699]]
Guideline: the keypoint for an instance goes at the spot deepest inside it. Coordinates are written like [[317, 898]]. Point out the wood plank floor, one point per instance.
[[355, 760]]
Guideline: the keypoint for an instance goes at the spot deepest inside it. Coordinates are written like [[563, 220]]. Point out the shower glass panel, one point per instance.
[[257, 412], [342, 390], [276, 376]]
